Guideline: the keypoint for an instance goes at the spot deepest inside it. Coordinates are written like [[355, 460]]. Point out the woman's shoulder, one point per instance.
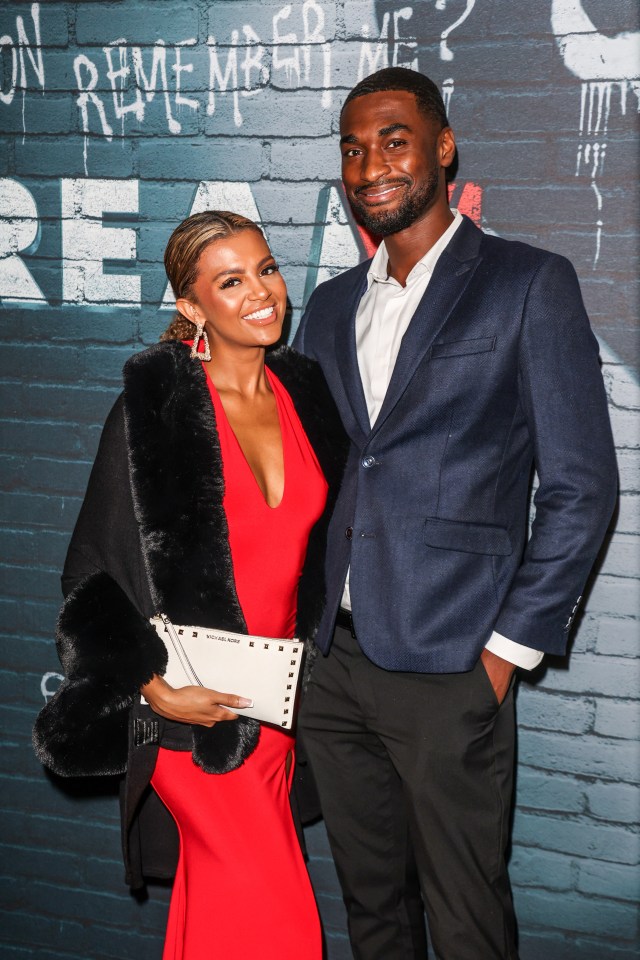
[[160, 359], [157, 374], [292, 368]]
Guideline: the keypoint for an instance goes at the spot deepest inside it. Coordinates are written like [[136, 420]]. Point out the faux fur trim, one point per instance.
[[101, 634], [82, 731], [108, 651], [225, 746], [178, 490]]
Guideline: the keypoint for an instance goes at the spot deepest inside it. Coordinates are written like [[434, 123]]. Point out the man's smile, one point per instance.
[[380, 192]]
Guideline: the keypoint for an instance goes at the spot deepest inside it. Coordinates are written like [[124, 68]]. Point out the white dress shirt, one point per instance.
[[384, 313]]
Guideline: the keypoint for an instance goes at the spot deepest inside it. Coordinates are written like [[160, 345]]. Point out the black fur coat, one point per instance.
[[152, 536]]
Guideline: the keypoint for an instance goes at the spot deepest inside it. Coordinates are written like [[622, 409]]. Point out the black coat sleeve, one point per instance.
[[107, 647], [106, 536]]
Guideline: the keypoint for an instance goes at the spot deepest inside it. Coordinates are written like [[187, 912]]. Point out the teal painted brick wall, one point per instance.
[[548, 154]]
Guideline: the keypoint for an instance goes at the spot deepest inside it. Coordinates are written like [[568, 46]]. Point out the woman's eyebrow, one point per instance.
[[234, 270]]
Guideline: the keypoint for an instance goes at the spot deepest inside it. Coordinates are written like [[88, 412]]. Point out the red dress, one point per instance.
[[241, 884]]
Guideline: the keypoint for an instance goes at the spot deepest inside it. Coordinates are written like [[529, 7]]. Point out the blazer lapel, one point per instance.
[[346, 355], [454, 269]]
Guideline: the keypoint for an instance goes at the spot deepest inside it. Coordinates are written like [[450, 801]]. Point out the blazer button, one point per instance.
[[368, 461], [349, 533]]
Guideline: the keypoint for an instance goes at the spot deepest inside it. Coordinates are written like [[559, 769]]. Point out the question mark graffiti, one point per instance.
[[445, 52]]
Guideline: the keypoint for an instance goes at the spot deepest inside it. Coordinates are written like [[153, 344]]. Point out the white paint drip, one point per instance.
[[327, 92], [603, 64], [447, 92], [599, 220], [595, 113]]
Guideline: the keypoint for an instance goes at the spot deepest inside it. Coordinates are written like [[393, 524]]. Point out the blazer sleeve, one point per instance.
[[565, 405]]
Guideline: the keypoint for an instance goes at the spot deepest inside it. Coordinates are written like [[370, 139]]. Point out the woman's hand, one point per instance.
[[191, 704]]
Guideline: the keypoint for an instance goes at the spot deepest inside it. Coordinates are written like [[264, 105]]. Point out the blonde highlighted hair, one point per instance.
[[184, 249]]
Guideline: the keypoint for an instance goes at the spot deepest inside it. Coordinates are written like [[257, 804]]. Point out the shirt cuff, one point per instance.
[[525, 657]]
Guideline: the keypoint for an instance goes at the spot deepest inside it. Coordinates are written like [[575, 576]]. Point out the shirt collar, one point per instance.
[[378, 269]]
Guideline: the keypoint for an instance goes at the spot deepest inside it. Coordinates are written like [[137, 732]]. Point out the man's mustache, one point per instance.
[[379, 183]]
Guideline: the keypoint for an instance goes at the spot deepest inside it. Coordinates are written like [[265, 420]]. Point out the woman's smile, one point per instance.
[[263, 316]]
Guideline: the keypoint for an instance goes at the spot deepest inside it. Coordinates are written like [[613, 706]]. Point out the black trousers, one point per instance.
[[415, 775]]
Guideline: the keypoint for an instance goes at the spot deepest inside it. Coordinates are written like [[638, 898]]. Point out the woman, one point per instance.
[[211, 478]]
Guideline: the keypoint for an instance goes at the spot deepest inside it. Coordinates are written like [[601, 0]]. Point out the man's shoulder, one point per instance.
[[518, 255]]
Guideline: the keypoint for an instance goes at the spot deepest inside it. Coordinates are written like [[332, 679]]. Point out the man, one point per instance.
[[457, 361]]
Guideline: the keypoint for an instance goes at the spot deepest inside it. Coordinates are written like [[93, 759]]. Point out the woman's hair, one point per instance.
[[184, 249]]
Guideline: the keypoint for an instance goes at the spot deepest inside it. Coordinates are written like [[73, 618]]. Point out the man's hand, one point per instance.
[[499, 672]]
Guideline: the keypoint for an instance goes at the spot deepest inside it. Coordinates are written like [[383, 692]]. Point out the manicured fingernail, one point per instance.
[[243, 702]]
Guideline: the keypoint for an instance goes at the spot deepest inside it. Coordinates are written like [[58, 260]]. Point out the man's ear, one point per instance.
[[446, 147]]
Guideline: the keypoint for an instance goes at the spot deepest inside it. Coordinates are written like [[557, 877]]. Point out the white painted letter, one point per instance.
[[6, 41], [86, 243], [178, 68], [370, 55], [404, 14], [87, 95], [253, 54], [46, 692], [23, 44], [290, 64], [334, 247], [121, 73], [311, 35], [228, 79], [19, 230], [159, 63]]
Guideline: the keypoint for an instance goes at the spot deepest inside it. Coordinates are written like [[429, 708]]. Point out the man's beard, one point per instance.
[[385, 222]]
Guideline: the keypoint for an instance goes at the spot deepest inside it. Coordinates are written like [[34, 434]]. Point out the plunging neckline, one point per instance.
[[241, 451]]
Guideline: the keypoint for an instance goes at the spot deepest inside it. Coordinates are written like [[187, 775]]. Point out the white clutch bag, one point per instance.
[[260, 668]]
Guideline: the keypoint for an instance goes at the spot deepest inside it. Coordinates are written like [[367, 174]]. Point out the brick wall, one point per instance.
[[99, 159]]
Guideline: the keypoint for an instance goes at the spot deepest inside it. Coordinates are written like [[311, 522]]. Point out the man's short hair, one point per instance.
[[424, 90]]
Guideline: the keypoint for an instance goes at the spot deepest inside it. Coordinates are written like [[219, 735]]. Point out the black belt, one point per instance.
[[345, 620]]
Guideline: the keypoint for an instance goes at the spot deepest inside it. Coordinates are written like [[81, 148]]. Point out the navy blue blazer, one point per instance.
[[497, 371]]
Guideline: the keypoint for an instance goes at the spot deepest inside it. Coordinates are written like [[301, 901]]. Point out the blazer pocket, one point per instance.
[[467, 537], [461, 348]]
